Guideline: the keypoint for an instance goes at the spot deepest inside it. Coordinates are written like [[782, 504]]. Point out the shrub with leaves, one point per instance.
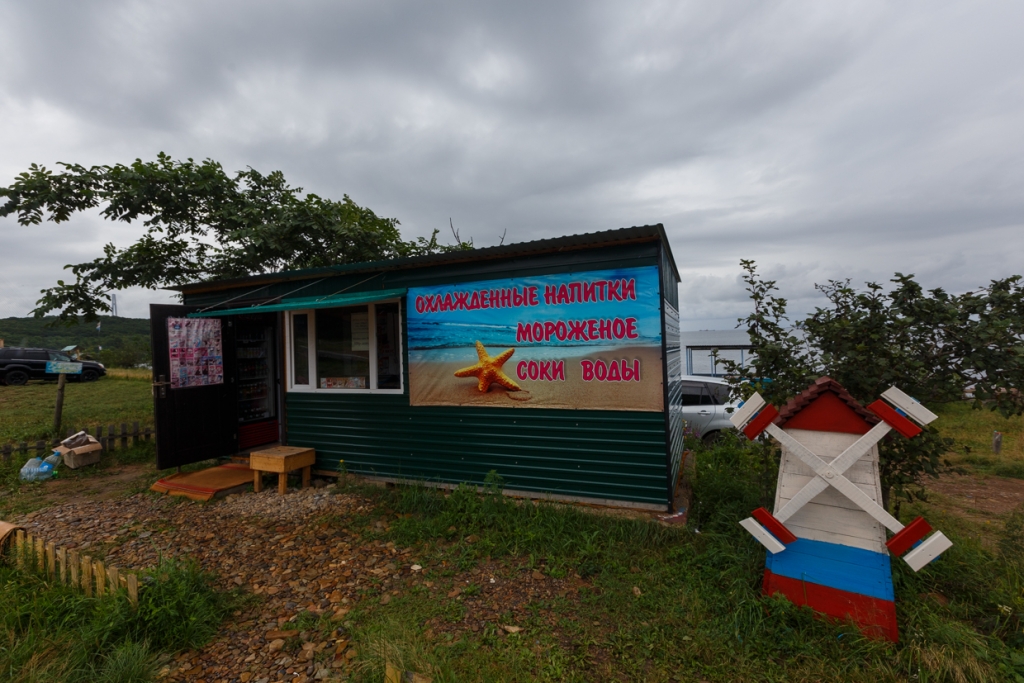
[[199, 223], [931, 344]]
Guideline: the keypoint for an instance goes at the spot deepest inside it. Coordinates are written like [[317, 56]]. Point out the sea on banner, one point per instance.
[[588, 340]]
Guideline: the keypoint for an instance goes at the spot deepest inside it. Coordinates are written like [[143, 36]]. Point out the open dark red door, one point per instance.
[[194, 392]]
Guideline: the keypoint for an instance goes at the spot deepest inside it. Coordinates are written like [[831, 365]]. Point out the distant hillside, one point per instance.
[[125, 341]]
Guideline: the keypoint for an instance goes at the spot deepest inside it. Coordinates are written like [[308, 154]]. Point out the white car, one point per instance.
[[706, 406]]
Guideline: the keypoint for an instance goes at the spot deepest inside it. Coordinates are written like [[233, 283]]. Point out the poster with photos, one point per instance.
[[196, 352]]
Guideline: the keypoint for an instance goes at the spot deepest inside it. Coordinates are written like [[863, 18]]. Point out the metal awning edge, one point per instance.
[[308, 302]]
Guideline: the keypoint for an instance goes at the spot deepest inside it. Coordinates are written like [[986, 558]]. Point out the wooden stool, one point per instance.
[[281, 459]]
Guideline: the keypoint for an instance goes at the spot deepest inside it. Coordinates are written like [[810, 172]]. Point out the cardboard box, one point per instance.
[[80, 456]]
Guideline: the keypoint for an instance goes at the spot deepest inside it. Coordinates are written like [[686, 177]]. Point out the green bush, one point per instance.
[[731, 479]]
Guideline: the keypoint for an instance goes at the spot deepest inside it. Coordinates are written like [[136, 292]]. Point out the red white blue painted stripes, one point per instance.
[[843, 567]]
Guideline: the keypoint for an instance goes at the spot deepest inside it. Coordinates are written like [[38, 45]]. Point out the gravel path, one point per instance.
[[272, 545]]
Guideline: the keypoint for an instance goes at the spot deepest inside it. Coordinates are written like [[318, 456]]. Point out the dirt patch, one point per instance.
[[990, 496], [100, 484]]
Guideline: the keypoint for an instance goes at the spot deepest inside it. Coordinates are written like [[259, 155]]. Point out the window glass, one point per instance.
[[343, 348], [37, 355], [389, 352], [701, 361], [691, 393], [300, 348], [720, 392], [59, 356]]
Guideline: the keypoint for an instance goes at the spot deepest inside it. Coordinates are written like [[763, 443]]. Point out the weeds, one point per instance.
[[699, 614], [53, 632]]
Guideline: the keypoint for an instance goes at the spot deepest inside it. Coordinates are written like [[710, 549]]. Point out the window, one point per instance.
[[59, 356], [300, 348], [720, 392], [692, 393], [350, 349], [343, 348]]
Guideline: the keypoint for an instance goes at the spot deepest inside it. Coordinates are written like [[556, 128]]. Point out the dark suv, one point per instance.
[[18, 366]]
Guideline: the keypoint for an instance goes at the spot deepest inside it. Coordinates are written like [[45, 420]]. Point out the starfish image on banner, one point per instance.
[[488, 370]]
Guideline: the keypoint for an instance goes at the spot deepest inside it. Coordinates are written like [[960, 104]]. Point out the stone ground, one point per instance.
[[292, 553]]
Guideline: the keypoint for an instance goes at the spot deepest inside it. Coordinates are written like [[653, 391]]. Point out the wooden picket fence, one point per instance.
[[108, 437], [70, 567]]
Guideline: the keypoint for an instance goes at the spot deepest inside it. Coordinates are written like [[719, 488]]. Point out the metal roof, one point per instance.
[[721, 339], [308, 302], [645, 233]]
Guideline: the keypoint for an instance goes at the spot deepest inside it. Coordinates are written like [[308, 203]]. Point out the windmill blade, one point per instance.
[[797, 449], [864, 502], [833, 478], [909, 405], [802, 497], [860, 447], [747, 411], [843, 462]]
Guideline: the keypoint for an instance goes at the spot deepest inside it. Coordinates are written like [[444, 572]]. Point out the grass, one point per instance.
[[52, 632], [699, 614], [123, 396], [973, 428]]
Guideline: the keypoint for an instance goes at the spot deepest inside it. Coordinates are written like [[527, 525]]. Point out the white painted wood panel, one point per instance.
[[861, 472], [909, 406], [831, 516], [743, 415], [933, 546], [771, 543], [839, 521], [791, 485]]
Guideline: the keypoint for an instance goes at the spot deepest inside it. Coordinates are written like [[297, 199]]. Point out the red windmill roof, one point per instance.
[[826, 406]]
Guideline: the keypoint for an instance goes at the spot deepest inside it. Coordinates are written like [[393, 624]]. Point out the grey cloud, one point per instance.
[[824, 141]]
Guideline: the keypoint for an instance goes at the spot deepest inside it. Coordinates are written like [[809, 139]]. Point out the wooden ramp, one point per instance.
[[205, 484]]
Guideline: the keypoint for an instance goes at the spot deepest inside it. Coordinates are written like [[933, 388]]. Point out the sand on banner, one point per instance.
[[436, 384]]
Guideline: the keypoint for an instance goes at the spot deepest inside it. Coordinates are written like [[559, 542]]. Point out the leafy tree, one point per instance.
[[199, 223], [931, 344]]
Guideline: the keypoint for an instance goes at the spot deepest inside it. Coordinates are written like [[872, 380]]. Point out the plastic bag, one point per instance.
[[36, 470], [53, 459], [76, 440]]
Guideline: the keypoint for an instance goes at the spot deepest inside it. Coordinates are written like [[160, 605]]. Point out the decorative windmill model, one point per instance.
[[826, 542]]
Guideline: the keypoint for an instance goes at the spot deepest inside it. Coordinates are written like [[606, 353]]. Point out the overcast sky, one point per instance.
[[824, 140]]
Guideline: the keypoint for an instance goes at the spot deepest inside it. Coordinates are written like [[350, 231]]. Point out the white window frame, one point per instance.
[[311, 331]]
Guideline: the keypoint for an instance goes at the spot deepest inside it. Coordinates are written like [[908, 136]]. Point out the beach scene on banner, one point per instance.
[[574, 340]]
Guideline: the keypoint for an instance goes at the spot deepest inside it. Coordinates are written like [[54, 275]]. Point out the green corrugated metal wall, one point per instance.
[[594, 454], [674, 372]]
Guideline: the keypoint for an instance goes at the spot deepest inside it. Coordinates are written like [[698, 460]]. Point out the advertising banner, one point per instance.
[[58, 367], [587, 340], [196, 352]]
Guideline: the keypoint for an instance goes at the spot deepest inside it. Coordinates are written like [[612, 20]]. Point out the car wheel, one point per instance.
[[16, 378], [711, 438], [90, 375]]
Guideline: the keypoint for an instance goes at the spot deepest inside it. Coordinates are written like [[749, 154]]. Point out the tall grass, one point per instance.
[[53, 632], [26, 412], [972, 428]]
